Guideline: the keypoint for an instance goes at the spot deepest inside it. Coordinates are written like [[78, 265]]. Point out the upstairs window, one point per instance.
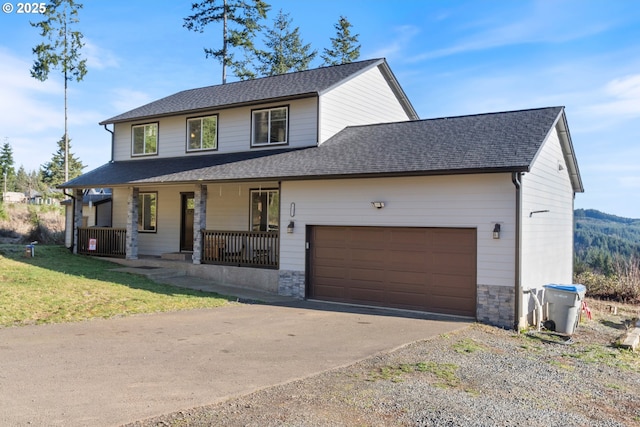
[[202, 133], [145, 139], [269, 127]]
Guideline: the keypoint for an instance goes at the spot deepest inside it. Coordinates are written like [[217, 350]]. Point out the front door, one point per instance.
[[186, 226]]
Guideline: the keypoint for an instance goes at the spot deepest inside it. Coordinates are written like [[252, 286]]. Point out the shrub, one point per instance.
[[623, 285]]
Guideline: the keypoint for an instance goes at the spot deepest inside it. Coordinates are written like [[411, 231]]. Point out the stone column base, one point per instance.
[[292, 284], [496, 305]]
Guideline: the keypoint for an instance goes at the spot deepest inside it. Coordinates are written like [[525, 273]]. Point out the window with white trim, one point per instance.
[[202, 133], [269, 126], [147, 212], [144, 139]]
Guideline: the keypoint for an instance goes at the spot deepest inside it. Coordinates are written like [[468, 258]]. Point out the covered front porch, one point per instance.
[[224, 227]]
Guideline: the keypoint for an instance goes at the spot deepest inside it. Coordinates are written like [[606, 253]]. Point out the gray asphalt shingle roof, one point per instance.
[[303, 83], [507, 141]]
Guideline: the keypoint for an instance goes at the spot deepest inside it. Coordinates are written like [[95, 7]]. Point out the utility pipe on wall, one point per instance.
[[516, 178]]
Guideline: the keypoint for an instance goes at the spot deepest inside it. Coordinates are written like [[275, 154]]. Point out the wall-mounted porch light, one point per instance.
[[496, 231], [290, 227], [377, 205]]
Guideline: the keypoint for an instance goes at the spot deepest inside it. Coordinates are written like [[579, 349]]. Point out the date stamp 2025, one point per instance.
[[24, 8]]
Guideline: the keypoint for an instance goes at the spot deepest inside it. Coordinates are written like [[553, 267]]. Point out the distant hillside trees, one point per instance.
[[599, 238], [607, 255]]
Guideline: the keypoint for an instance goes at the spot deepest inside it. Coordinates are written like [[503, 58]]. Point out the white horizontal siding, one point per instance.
[[365, 99], [234, 131], [227, 209], [547, 250], [472, 201]]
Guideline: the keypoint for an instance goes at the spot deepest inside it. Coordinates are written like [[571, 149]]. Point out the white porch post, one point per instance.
[[199, 221], [77, 217], [132, 223]]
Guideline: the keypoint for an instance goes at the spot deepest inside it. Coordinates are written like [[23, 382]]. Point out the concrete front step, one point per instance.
[[177, 256]]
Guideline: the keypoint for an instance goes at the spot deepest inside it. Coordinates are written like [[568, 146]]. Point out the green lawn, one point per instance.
[[57, 286]]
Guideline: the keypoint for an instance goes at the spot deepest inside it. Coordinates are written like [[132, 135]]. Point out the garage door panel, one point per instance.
[[417, 279], [331, 254], [453, 305], [426, 269], [366, 275], [407, 257], [367, 296], [330, 271], [366, 255]]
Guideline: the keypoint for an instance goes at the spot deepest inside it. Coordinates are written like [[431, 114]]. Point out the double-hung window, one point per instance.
[[145, 139], [147, 212], [269, 126], [202, 133]]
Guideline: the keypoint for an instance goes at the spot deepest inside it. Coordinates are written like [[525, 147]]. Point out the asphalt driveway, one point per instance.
[[111, 372]]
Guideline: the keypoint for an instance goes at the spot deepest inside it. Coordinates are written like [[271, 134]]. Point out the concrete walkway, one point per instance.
[[112, 372]]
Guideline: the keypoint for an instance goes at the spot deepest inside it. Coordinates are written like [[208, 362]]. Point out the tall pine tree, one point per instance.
[[60, 50], [344, 45], [286, 51], [245, 14], [53, 172]]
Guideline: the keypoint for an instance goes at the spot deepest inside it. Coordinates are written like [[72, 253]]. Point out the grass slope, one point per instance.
[[56, 286]]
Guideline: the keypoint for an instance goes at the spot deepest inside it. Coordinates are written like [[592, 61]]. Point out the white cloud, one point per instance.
[[543, 23], [99, 58], [614, 102], [26, 104], [632, 182], [128, 99], [401, 41]]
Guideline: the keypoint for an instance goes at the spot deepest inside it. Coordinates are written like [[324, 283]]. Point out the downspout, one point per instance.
[[516, 179], [112, 142]]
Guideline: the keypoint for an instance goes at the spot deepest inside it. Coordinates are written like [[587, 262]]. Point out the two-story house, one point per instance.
[[325, 184]]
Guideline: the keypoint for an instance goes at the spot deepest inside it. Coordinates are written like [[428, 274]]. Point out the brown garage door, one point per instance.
[[426, 269]]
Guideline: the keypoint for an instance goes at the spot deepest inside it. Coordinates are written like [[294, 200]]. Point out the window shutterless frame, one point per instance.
[[270, 126], [202, 133], [148, 212], [144, 139], [265, 209]]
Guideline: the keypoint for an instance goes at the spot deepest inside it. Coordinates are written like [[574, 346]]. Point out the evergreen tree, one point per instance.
[[7, 171], [345, 48], [61, 50], [286, 51], [53, 171], [245, 14], [25, 182]]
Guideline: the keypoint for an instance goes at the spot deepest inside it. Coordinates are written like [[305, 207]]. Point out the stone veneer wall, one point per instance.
[[132, 223], [291, 283], [496, 305]]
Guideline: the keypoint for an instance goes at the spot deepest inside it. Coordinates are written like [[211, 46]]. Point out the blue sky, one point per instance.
[[451, 57]]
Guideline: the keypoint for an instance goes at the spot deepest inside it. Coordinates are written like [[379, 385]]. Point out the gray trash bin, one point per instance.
[[564, 306]]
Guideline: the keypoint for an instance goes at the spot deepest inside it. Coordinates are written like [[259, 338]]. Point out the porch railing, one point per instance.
[[102, 241], [259, 249]]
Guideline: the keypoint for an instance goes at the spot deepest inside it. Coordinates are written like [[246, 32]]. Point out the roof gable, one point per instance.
[[284, 86]]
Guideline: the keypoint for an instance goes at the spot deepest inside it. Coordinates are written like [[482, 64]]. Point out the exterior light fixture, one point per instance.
[[377, 205], [290, 227], [496, 231]]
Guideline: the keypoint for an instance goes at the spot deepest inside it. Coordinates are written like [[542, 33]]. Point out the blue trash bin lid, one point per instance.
[[568, 288]]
